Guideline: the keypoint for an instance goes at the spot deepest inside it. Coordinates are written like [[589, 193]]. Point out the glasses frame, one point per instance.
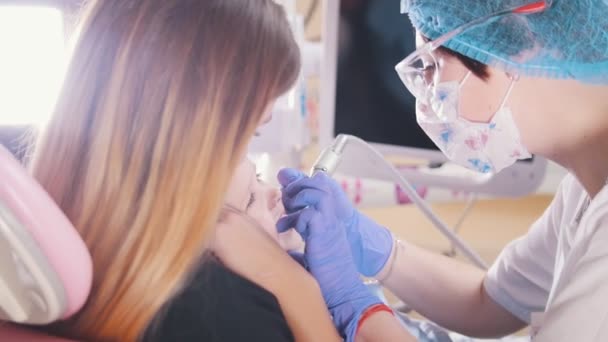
[[405, 66]]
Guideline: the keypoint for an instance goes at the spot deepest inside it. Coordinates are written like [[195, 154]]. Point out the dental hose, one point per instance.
[[329, 160]]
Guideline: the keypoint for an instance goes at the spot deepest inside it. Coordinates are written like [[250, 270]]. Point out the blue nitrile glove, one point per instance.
[[330, 261], [370, 243]]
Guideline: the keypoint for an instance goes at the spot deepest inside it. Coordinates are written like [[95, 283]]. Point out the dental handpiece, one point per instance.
[[329, 159]]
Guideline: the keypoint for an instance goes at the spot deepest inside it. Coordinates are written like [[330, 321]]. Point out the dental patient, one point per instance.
[[261, 202], [247, 193]]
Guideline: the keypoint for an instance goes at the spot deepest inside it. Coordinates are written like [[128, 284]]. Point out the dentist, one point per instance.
[[495, 81]]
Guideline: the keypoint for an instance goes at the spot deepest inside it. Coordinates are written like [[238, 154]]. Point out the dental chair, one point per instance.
[[45, 268]]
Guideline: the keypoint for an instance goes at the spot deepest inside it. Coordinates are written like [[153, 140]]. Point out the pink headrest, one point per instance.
[[49, 227], [13, 333]]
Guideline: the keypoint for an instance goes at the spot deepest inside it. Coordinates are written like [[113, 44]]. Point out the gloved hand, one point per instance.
[[370, 243], [329, 259]]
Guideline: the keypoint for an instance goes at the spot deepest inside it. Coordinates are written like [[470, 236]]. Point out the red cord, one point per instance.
[[372, 310], [532, 8]]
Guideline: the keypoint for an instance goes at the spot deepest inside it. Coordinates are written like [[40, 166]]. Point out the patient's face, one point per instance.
[[260, 201]]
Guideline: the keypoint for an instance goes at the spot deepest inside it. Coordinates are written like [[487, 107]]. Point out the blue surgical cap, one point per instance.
[[568, 40]]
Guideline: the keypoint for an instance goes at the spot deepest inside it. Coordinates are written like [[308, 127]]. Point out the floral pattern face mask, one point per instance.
[[484, 147]]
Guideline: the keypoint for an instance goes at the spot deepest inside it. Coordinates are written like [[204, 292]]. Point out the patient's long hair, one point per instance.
[[159, 103]]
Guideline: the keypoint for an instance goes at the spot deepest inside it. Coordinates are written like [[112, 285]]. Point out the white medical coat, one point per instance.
[[556, 276]]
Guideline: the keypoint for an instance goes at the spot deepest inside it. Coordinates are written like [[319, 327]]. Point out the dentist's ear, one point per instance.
[[289, 175]]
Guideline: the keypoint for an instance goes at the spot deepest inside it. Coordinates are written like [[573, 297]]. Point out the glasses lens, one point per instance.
[[418, 74]]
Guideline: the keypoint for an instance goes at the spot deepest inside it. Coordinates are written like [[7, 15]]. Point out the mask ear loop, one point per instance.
[[514, 78], [461, 83], [464, 79]]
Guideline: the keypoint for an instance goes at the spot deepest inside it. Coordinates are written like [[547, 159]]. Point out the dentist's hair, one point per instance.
[[159, 102]]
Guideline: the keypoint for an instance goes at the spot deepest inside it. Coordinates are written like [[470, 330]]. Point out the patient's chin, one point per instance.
[[289, 240]]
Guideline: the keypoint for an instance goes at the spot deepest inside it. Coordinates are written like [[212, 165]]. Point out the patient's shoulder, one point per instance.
[[219, 305]]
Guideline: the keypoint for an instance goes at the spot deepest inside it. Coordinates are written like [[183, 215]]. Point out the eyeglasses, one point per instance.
[[419, 71]]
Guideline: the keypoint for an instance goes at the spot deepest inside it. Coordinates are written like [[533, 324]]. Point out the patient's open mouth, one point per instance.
[[278, 214], [278, 211]]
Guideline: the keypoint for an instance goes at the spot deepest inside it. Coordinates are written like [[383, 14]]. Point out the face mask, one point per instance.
[[483, 147]]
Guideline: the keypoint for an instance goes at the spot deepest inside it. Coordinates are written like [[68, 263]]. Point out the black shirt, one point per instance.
[[219, 305]]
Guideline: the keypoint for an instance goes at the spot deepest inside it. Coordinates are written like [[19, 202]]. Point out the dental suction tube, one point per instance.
[[329, 160]]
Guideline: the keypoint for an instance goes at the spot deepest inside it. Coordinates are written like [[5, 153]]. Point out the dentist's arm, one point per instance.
[[448, 292]]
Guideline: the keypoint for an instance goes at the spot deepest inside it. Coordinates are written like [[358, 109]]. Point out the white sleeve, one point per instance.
[[579, 309], [520, 279]]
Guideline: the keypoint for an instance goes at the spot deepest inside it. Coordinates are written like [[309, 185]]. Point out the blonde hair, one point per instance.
[[159, 102]]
